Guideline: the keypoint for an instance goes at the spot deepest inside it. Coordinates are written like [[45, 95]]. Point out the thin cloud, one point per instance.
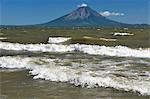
[[107, 13], [82, 5]]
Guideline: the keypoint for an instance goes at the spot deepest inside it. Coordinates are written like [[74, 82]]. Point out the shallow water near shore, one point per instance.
[[21, 86], [72, 75]]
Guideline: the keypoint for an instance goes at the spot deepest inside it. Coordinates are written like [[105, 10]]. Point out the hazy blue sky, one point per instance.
[[17, 12]]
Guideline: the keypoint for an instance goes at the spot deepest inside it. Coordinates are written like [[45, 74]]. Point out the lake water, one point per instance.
[[75, 71]]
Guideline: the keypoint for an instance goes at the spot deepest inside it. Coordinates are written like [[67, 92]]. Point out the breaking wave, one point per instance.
[[118, 51], [3, 38], [122, 34], [56, 40], [48, 69]]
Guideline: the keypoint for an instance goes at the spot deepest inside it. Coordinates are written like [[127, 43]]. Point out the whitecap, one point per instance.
[[3, 38], [56, 40], [103, 39], [118, 51], [122, 34]]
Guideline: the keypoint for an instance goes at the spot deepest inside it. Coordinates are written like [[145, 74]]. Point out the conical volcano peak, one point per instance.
[[82, 12], [83, 16]]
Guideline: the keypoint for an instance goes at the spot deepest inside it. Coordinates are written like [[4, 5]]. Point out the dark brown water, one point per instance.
[[20, 85]]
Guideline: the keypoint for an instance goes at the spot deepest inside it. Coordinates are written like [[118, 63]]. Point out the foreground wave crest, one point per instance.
[[48, 69]]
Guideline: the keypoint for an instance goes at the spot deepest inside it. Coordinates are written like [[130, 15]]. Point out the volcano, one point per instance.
[[83, 16]]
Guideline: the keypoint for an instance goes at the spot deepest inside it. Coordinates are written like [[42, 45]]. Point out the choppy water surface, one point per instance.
[[73, 71]]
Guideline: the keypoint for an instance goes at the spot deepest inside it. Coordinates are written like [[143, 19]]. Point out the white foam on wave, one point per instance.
[[48, 69], [56, 40], [119, 51], [103, 39], [35, 47], [2, 38], [122, 34]]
